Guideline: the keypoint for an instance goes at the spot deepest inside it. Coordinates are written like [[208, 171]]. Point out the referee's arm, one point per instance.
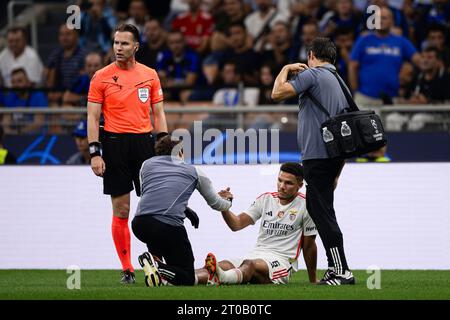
[[159, 117], [94, 111]]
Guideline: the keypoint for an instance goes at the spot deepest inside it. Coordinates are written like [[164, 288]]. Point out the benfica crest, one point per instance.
[[143, 94]]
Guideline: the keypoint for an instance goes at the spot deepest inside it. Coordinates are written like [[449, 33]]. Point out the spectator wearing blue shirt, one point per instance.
[[240, 52], [344, 39], [376, 60], [80, 136], [344, 16], [439, 12], [23, 123], [97, 24], [178, 67], [76, 95], [64, 64], [400, 23]]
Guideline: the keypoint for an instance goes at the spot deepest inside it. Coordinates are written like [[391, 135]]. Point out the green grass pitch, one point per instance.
[[104, 284]]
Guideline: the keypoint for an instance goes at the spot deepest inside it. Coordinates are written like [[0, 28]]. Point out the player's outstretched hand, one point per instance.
[[192, 215], [226, 194], [98, 166]]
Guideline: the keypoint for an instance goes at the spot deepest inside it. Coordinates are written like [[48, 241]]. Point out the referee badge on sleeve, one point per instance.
[[143, 94]]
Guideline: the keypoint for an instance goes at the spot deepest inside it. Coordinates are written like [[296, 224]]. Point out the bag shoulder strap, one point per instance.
[[351, 103]]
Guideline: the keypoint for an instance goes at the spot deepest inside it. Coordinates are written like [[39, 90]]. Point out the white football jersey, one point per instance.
[[282, 226]]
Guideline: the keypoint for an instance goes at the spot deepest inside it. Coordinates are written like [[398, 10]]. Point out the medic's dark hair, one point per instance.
[[165, 145]]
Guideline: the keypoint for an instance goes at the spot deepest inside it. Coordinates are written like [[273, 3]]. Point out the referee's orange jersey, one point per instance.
[[126, 97]]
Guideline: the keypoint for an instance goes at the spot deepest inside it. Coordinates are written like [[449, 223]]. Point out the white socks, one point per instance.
[[232, 276]]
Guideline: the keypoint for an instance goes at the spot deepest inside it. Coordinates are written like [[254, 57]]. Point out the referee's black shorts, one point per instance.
[[124, 154]]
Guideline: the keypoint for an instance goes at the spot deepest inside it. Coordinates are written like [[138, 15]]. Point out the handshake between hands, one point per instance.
[[226, 194]]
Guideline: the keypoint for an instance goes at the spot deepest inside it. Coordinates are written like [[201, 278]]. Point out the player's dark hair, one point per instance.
[[323, 49], [294, 168], [126, 27], [165, 145]]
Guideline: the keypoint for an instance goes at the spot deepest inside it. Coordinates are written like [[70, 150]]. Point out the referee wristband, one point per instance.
[[161, 135], [95, 149]]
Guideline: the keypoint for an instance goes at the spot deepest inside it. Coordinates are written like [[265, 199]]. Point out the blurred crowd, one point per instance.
[[228, 52]]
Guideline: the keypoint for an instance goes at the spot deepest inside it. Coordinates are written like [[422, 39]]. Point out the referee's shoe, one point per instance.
[[331, 278], [128, 277]]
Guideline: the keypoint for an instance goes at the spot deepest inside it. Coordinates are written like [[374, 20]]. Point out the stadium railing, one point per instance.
[[438, 116], [416, 117]]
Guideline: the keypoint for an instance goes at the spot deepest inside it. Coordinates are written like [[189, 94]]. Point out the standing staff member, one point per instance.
[[321, 172], [126, 92]]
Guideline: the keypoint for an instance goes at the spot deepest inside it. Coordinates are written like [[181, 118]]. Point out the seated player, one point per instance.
[[286, 228]]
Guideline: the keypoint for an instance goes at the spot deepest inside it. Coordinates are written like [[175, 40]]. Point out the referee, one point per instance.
[[126, 92], [319, 81]]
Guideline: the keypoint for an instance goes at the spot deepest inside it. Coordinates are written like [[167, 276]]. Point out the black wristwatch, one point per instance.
[[95, 149]]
